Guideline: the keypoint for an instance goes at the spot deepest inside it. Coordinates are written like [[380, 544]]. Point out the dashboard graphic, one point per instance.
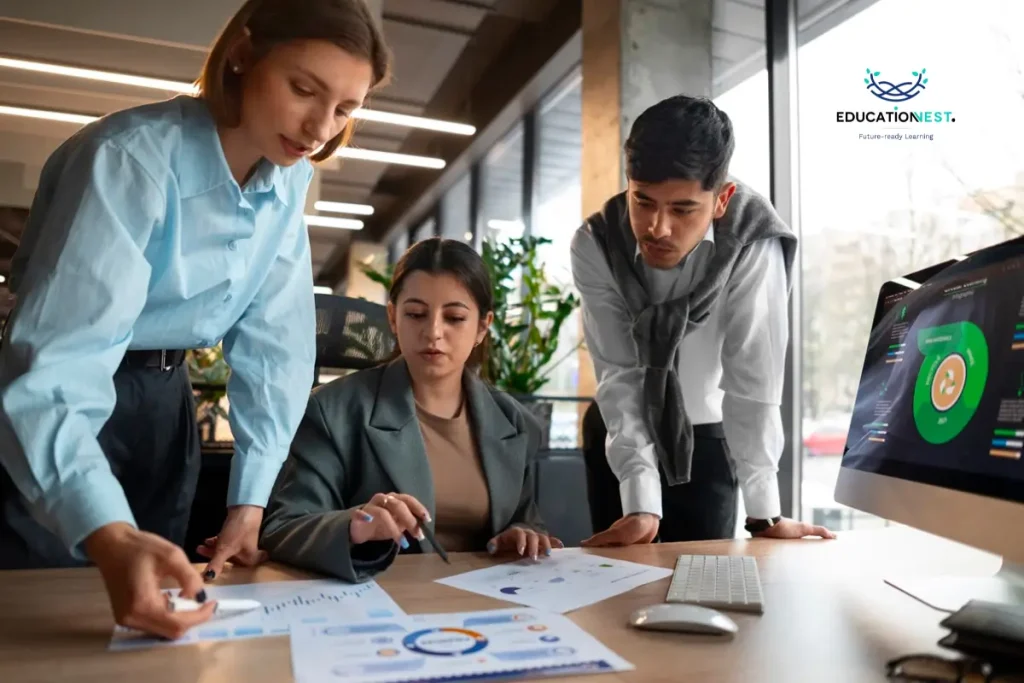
[[941, 395], [951, 380]]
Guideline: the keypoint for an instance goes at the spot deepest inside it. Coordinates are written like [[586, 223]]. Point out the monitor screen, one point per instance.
[[941, 396]]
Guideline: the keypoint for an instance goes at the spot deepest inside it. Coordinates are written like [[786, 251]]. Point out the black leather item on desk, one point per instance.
[[986, 629]]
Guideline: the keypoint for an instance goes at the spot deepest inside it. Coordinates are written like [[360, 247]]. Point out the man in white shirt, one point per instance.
[[684, 280]]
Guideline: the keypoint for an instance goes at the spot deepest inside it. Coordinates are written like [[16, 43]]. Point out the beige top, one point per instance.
[[462, 502]]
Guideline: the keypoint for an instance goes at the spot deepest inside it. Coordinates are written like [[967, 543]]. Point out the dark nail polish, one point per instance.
[[201, 597], [210, 575]]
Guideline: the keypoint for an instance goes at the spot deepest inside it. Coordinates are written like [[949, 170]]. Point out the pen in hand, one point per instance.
[[433, 541], [402, 517]]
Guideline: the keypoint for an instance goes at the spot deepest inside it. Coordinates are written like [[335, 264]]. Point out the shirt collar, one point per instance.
[[202, 165], [708, 239]]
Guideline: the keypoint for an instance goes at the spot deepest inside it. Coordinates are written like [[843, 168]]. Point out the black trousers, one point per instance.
[[152, 444], [702, 509]]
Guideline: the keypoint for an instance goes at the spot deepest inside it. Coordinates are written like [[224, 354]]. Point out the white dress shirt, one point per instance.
[[730, 370]]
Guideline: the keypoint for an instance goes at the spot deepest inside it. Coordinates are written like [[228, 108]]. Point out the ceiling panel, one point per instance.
[[168, 40], [68, 46], [422, 57]]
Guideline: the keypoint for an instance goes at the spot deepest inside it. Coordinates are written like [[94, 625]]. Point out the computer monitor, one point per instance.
[[937, 432]]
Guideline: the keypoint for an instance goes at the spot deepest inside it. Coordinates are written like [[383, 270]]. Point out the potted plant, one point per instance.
[[209, 373], [528, 317]]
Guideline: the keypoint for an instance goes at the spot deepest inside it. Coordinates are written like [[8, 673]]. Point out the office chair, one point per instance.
[[351, 334]]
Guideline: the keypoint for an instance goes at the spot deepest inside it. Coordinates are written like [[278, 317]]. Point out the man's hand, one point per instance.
[[629, 530], [132, 564], [238, 541], [790, 528]]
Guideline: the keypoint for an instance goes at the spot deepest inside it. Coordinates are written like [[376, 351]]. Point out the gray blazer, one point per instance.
[[360, 436]]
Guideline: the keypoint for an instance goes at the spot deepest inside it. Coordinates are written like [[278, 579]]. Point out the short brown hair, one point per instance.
[[346, 23]]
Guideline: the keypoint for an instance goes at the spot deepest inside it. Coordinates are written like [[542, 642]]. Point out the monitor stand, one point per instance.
[[950, 593]]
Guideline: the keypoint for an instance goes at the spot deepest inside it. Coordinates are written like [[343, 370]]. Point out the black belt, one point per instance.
[[160, 359], [709, 430]]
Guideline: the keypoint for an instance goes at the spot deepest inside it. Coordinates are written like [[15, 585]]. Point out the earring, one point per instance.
[[237, 69]]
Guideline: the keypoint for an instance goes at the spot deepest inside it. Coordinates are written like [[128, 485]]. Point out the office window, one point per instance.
[[740, 89], [501, 192], [455, 218], [428, 228], [557, 215], [746, 105], [397, 246], [874, 208]]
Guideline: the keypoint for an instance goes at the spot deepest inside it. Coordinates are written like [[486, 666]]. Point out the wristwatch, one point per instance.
[[758, 525]]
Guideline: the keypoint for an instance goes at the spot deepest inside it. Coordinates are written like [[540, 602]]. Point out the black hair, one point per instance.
[[681, 138], [439, 256]]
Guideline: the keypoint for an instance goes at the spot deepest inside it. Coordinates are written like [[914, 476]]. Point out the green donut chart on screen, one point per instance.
[[951, 381]]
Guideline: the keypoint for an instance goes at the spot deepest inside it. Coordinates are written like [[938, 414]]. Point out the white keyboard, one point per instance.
[[725, 582]]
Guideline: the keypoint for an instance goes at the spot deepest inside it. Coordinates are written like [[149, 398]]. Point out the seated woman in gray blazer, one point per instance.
[[417, 441]]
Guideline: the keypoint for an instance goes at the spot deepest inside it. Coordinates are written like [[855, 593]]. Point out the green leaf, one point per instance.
[[878, 73], [914, 73]]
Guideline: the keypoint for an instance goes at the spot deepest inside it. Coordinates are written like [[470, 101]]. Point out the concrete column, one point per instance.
[[635, 53]]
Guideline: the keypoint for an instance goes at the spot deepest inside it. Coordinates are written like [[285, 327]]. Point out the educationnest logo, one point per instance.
[[908, 122]]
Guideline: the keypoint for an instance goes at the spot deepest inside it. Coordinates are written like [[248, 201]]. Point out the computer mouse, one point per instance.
[[683, 618]]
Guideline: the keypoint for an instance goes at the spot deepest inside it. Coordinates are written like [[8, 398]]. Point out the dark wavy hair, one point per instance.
[[681, 138], [439, 256]]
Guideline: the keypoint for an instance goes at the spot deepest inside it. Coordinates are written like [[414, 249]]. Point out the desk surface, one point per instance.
[[828, 616]]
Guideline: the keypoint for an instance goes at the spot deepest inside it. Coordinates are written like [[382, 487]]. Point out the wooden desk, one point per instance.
[[828, 617]]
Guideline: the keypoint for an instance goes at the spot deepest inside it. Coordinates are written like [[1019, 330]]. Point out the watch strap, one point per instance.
[[758, 525]]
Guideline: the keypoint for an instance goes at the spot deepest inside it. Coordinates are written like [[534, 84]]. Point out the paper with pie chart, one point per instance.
[[569, 579], [509, 644]]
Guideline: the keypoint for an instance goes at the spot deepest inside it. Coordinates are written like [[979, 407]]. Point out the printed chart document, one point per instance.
[[283, 603], [515, 643], [567, 580]]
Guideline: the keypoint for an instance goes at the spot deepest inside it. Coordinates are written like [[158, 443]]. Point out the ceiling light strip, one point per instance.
[[191, 89], [390, 157], [343, 207], [348, 152], [96, 75], [414, 121], [313, 220], [65, 117]]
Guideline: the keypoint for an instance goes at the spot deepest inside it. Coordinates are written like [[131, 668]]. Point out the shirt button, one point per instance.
[[227, 297], [232, 245]]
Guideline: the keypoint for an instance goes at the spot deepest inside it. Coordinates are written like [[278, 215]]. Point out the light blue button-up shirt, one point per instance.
[[140, 238]]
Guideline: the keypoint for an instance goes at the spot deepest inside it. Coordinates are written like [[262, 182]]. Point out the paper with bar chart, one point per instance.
[[283, 603]]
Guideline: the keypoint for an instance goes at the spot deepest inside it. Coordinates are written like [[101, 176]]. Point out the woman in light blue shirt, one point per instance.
[[157, 229]]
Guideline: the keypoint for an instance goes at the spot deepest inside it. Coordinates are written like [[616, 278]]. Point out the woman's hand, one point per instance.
[[133, 564], [388, 516], [237, 542], [524, 542]]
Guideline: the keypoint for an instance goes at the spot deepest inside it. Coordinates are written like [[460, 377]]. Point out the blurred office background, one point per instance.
[[532, 79]]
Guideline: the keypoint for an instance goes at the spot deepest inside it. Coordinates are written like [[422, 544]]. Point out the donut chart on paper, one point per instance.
[[445, 642]]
